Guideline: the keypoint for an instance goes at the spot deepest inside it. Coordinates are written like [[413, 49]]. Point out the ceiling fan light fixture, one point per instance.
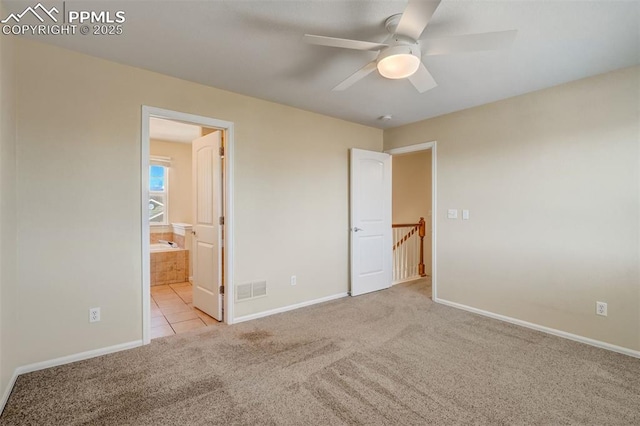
[[398, 62]]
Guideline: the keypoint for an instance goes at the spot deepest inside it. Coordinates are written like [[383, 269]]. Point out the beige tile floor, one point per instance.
[[172, 311]]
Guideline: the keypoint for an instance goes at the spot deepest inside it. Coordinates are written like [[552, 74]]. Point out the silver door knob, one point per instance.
[[356, 229]]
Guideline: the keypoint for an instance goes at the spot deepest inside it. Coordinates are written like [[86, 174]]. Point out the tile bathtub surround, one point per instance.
[[172, 311], [178, 239], [155, 237], [169, 267]]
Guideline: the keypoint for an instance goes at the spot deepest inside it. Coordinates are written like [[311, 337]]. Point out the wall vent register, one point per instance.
[[251, 290]]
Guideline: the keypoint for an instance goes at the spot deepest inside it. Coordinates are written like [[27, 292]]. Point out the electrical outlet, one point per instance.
[[94, 314], [294, 281], [601, 309]]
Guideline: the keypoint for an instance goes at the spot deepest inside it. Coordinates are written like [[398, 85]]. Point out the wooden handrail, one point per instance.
[[408, 235], [421, 228], [404, 225]]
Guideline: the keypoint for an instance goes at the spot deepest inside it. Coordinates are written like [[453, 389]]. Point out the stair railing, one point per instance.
[[408, 251]]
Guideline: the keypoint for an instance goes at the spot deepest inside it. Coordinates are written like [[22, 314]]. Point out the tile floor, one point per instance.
[[172, 310]]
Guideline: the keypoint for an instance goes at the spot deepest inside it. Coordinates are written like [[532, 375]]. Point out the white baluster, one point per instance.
[[406, 256]]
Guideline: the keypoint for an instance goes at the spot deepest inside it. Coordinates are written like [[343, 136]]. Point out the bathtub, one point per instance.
[[160, 247], [169, 265]]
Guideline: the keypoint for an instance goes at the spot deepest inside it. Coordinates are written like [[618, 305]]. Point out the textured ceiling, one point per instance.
[[256, 48]]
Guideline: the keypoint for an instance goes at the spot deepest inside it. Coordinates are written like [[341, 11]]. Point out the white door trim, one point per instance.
[[434, 202], [228, 127]]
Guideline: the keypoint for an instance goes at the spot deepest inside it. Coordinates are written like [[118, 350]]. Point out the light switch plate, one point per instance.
[[452, 214], [465, 214]]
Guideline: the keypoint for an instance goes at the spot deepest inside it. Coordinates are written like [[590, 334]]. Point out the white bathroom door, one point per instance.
[[207, 195], [371, 235]]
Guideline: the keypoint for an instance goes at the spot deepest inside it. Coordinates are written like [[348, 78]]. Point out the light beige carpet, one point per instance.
[[392, 357]]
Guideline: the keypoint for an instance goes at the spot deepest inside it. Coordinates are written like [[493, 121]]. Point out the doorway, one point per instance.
[[414, 218], [187, 242]]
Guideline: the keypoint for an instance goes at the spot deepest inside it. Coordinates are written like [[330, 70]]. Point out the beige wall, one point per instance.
[[412, 194], [79, 129], [179, 178], [8, 272], [551, 180]]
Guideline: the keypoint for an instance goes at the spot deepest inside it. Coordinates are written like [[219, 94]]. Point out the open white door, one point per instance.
[[371, 237], [207, 245]]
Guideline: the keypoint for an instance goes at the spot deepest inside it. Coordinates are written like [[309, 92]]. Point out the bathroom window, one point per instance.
[[158, 195]]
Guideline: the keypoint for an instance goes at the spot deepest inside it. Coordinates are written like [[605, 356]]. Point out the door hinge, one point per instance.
[[221, 221], [221, 150], [221, 289]]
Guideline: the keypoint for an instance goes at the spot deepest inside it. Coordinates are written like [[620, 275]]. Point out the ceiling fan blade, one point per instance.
[[422, 79], [416, 17], [468, 43], [343, 43], [356, 76]]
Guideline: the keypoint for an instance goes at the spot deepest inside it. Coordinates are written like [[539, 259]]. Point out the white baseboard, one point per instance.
[[61, 361], [77, 357], [548, 330], [288, 308], [7, 391]]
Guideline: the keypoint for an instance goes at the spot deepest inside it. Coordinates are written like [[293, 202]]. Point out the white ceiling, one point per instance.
[[256, 48]]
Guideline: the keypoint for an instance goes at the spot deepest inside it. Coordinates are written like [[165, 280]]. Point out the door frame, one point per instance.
[[228, 128], [434, 202]]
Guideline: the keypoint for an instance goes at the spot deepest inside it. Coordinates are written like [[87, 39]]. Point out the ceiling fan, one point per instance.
[[399, 56]]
